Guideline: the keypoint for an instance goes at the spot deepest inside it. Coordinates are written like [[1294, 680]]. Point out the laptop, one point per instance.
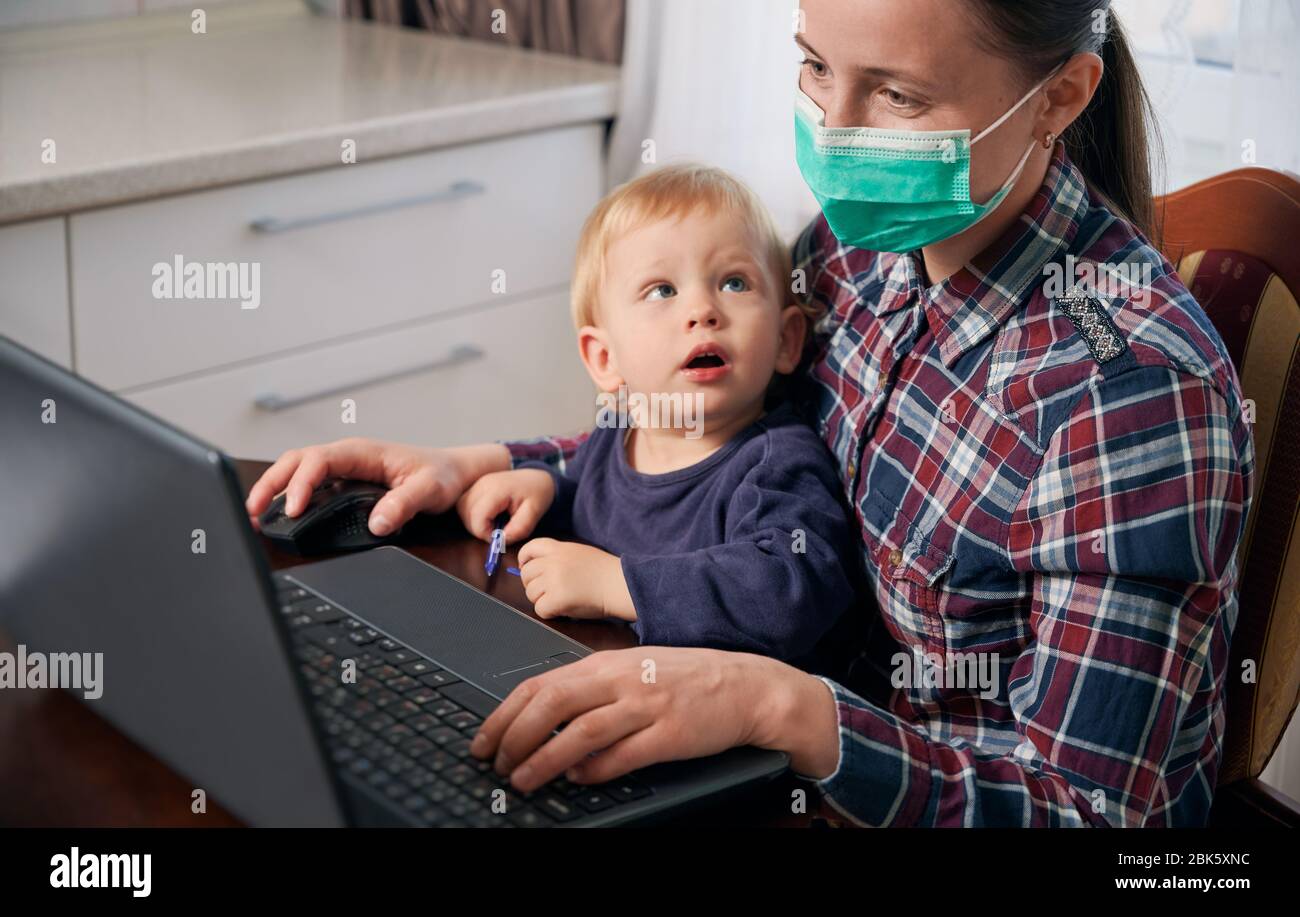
[[125, 536]]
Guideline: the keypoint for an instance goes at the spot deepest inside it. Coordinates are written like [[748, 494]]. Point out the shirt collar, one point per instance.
[[970, 305]]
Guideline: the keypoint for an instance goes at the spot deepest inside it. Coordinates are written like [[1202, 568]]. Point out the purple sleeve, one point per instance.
[[566, 475]]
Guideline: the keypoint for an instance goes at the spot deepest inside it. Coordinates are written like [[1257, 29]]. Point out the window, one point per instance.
[[1204, 30], [1222, 76]]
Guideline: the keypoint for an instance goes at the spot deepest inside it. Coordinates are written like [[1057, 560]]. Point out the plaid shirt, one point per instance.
[[1050, 491]]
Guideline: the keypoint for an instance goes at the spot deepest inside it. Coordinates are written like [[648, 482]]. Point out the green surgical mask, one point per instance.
[[893, 190]]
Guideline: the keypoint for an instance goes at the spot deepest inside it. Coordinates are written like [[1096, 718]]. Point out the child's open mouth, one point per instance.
[[705, 363]]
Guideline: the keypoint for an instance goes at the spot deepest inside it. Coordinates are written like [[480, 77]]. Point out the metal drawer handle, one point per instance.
[[272, 401], [453, 192]]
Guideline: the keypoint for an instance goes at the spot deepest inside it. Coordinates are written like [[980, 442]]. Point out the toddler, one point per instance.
[[700, 509]]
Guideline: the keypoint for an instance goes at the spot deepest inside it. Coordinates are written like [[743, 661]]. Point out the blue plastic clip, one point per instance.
[[496, 547]]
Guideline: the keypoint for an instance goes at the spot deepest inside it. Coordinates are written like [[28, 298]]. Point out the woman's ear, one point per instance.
[[793, 327], [1069, 92], [593, 346]]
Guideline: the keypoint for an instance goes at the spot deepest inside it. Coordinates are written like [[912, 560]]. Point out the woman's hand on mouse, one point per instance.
[[418, 479], [525, 493]]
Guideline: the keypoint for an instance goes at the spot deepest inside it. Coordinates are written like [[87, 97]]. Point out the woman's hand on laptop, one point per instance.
[[626, 709], [419, 479]]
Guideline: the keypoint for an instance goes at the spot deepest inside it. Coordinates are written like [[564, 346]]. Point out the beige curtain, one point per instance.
[[592, 29]]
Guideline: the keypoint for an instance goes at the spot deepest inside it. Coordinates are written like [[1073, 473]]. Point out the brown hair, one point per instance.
[[669, 193], [1108, 142]]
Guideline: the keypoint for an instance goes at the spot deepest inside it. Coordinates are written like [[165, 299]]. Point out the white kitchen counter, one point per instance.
[[142, 107]]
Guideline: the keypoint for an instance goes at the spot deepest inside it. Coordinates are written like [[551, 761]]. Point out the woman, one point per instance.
[[1050, 483]]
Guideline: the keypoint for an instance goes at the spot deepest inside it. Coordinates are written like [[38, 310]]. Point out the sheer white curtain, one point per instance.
[[1265, 103], [1224, 78], [713, 81]]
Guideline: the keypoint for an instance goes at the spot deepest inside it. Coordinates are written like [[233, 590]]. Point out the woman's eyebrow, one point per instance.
[[878, 73], [798, 40]]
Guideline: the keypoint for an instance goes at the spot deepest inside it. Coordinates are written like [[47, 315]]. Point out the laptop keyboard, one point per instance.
[[402, 731]]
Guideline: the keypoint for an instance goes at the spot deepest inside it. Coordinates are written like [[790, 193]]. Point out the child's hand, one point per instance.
[[526, 494], [573, 580]]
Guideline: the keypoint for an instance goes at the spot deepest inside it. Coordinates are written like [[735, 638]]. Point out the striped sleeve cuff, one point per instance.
[[883, 775], [538, 451]]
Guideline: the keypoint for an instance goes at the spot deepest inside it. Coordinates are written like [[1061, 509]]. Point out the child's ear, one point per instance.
[[793, 327], [593, 345]]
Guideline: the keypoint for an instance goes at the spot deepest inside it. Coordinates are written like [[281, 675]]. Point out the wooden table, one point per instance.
[[61, 765]]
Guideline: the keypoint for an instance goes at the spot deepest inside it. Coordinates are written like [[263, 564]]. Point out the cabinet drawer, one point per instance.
[[34, 288], [518, 375], [342, 251]]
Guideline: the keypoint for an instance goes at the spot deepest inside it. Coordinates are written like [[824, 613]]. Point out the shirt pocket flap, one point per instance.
[[924, 564], [905, 551]]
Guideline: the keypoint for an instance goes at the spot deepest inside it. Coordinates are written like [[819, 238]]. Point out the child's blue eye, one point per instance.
[[742, 288], [661, 291]]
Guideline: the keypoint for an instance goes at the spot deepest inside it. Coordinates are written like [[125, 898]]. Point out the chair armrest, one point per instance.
[[1251, 803]]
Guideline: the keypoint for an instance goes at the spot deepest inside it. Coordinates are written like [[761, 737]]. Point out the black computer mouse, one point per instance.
[[335, 519]]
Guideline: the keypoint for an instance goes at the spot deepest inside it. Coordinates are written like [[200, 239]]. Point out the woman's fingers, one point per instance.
[[534, 709], [635, 750], [395, 508], [311, 471], [487, 740], [586, 734], [272, 482], [298, 472]]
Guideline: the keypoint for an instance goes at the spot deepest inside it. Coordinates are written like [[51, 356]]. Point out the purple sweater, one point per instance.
[[750, 549]]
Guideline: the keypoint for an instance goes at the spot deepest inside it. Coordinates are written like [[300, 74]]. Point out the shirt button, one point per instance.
[[895, 557]]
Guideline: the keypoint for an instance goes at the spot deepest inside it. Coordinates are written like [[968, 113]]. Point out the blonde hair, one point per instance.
[[671, 192]]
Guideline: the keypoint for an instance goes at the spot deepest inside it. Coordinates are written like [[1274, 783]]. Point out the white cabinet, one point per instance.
[[508, 370], [34, 288], [338, 252], [444, 249], [431, 290]]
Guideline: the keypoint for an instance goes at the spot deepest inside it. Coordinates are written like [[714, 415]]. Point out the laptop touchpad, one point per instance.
[[505, 682], [460, 628]]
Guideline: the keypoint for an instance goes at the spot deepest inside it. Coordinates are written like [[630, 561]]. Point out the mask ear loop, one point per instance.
[[1015, 108], [1010, 182], [1015, 173]]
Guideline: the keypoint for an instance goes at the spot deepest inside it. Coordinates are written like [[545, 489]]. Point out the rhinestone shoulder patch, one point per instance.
[[1094, 325]]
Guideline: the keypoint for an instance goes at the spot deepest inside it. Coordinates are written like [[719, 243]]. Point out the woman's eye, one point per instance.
[[661, 291], [816, 68], [897, 99], [735, 285]]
